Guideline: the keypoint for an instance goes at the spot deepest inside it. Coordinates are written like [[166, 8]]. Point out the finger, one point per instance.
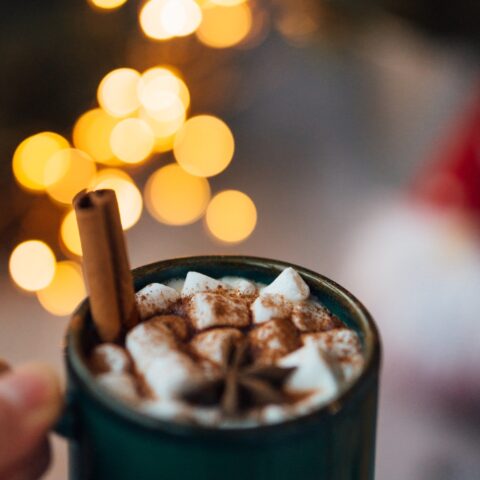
[[32, 466], [29, 403]]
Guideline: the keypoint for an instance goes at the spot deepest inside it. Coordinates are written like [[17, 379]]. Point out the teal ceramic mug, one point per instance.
[[110, 440]]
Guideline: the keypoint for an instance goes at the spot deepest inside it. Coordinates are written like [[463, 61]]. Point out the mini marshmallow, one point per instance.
[[148, 341], [165, 408], [240, 285], [339, 343], [343, 346], [168, 375], [108, 357], [272, 340], [176, 324], [120, 384], [312, 317], [155, 299], [197, 282], [289, 284], [214, 344], [270, 307], [313, 372], [274, 414], [216, 310]]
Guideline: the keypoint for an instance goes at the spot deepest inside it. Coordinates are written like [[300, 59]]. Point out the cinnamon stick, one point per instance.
[[105, 263]]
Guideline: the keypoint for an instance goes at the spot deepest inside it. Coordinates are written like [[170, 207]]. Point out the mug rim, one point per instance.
[[118, 408]]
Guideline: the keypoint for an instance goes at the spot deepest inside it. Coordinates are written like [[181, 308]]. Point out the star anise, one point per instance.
[[242, 385]]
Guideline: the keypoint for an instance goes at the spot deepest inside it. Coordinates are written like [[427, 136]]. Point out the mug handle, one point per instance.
[[67, 424]]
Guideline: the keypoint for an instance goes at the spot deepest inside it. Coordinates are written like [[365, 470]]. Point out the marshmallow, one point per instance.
[[165, 408], [342, 345], [289, 284], [339, 342], [274, 414], [154, 299], [214, 344], [168, 375], [312, 317], [313, 372], [148, 341], [177, 325], [215, 310], [197, 282], [270, 307], [240, 285], [108, 357], [272, 340], [120, 384]]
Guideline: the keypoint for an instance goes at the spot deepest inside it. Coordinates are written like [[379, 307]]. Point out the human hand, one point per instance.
[[30, 401]]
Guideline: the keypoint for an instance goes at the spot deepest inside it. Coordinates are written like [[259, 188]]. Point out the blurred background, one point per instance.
[[340, 135]]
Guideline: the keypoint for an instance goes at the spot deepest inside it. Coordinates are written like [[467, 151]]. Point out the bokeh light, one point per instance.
[[91, 134], [32, 265], [107, 4], [227, 3], [69, 234], [66, 290], [181, 17], [132, 140], [225, 26], [165, 125], [129, 198], [159, 86], [174, 197], [67, 172], [204, 146], [31, 157], [151, 20], [231, 216], [164, 19], [117, 92]]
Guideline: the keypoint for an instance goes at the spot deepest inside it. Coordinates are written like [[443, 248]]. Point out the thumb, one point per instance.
[[30, 401]]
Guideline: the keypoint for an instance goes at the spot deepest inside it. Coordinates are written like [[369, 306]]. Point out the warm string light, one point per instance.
[[32, 265], [204, 146], [165, 19], [231, 216], [65, 291], [225, 26], [175, 197], [107, 4], [31, 157], [138, 115], [129, 198]]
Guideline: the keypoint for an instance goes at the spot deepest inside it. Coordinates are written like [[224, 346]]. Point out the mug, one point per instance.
[[110, 440]]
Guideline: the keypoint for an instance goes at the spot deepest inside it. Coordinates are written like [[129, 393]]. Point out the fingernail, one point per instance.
[[33, 391], [4, 366]]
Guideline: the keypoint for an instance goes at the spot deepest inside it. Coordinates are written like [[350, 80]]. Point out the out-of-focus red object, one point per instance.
[[452, 180]]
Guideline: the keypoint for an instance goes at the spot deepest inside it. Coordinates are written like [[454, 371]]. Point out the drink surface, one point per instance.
[[229, 352]]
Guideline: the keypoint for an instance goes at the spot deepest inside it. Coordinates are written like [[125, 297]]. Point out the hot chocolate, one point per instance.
[[229, 352]]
